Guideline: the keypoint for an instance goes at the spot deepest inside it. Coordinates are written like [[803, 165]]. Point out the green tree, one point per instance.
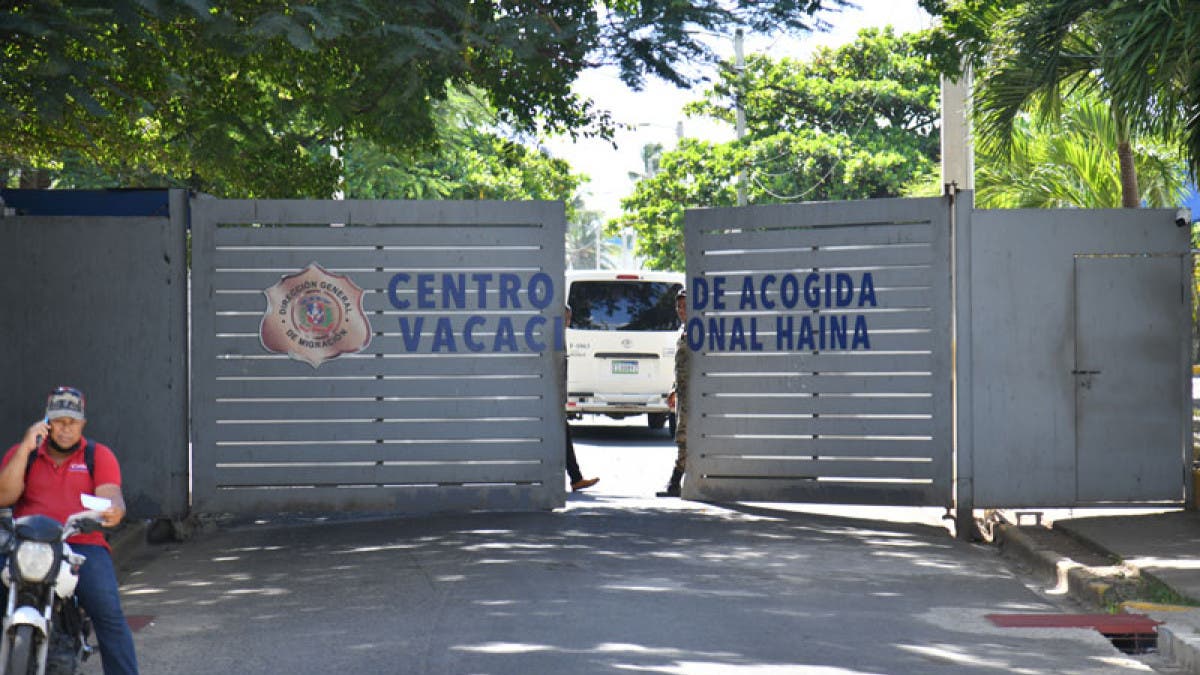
[[245, 98], [1137, 57], [1066, 162], [651, 157], [855, 122], [472, 161], [585, 229]]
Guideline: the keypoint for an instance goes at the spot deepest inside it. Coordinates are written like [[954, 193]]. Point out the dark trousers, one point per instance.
[[573, 471], [97, 593]]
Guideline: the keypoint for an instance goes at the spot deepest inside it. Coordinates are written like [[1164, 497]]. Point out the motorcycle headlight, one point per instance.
[[34, 561]]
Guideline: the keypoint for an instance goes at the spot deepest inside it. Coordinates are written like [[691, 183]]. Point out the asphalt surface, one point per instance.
[[619, 582], [609, 584]]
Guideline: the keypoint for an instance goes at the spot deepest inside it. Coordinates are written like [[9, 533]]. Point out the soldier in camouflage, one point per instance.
[[678, 399]]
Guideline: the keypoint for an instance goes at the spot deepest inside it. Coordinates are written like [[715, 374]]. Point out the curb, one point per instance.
[[1097, 546], [1101, 587], [1090, 585], [1181, 647]]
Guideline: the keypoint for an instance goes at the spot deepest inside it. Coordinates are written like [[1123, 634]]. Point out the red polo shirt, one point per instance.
[[54, 489]]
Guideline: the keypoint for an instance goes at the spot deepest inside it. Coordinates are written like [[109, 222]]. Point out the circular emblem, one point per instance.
[[316, 313], [314, 316], [627, 343]]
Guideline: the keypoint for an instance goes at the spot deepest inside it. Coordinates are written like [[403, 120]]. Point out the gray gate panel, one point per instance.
[[1022, 391], [374, 212], [777, 416], [410, 450], [874, 448], [391, 367], [100, 303], [412, 423], [810, 489], [369, 259], [288, 428], [408, 498], [375, 473], [781, 237]]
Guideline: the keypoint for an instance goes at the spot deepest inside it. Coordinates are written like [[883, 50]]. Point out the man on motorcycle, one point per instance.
[[48, 477]]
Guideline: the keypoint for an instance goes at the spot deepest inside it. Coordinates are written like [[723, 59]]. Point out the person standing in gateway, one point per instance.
[[574, 474], [678, 398], [46, 473]]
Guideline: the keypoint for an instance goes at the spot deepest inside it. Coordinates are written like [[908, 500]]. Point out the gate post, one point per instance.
[[961, 203]]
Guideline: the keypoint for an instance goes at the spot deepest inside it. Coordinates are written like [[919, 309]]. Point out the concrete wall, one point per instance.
[[100, 303]]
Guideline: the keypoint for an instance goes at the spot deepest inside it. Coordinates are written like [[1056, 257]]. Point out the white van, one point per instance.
[[621, 343]]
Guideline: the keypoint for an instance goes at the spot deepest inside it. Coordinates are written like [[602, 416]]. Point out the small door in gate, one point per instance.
[[1128, 378]]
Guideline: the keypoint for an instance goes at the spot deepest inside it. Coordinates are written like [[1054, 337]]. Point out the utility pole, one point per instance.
[[739, 63], [958, 153], [958, 173]]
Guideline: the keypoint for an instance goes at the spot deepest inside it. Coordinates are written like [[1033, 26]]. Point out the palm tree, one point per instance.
[[584, 232], [1065, 162], [1157, 83], [651, 159], [1033, 54]]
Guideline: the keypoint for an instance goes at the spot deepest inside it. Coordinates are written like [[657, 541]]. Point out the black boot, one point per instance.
[[673, 488]]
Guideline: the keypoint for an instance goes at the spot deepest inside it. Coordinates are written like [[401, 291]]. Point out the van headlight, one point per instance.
[[34, 561]]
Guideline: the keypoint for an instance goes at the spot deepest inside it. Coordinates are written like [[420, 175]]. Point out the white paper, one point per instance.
[[95, 503]]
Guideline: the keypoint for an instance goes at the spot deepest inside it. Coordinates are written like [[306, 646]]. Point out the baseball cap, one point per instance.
[[65, 402]]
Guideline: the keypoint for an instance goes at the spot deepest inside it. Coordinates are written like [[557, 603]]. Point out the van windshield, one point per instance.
[[623, 305]]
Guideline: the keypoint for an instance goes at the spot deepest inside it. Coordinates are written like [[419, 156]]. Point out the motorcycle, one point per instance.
[[45, 630]]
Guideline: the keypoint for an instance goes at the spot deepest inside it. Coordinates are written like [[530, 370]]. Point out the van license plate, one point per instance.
[[625, 367]]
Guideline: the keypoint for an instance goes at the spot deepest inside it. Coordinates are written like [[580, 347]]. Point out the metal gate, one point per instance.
[[456, 403], [822, 338]]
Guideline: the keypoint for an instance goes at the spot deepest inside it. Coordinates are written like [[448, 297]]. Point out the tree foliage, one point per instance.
[[1136, 56], [244, 98], [471, 161], [1067, 162], [855, 122], [585, 230]]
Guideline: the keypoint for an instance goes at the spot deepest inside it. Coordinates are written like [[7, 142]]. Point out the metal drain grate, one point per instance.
[[1130, 633]]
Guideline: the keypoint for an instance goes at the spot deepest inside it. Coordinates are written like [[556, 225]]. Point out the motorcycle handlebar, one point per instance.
[[84, 522]]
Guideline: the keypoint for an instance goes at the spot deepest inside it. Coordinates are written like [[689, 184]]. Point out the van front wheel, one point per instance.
[[656, 420]]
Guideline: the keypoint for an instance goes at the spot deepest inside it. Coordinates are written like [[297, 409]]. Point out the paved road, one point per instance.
[[617, 582]]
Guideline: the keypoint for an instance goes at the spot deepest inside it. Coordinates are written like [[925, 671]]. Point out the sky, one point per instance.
[[655, 112]]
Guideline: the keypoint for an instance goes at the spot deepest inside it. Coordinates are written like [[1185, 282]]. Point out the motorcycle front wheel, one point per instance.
[[21, 651]]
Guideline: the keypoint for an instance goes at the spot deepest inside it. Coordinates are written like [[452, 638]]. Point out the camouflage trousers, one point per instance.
[[681, 446]]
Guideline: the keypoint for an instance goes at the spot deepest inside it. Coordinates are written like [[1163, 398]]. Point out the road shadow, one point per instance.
[[608, 585]]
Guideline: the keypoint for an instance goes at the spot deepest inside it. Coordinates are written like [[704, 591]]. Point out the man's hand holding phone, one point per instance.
[[34, 435]]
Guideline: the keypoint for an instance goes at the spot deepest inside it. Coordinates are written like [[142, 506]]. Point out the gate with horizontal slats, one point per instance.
[[455, 404], [822, 353]]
